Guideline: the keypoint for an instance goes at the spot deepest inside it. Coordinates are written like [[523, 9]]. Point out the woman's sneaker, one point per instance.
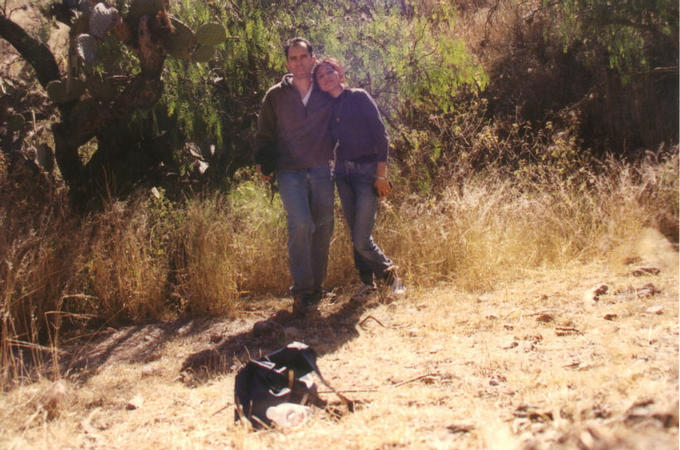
[[393, 284]]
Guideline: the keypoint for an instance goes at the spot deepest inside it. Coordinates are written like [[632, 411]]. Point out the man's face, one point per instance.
[[300, 62]]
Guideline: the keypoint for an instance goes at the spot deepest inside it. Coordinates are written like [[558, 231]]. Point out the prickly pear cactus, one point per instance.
[[211, 34], [101, 89], [139, 8], [56, 91], [180, 42], [84, 5], [65, 91], [203, 53], [86, 45], [102, 18], [81, 24]]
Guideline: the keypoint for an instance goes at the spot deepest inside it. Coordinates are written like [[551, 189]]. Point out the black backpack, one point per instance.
[[283, 376]]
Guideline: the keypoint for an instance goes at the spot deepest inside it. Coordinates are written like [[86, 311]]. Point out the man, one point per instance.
[[293, 143]]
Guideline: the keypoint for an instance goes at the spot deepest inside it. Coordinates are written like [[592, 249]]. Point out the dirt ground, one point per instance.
[[580, 358]]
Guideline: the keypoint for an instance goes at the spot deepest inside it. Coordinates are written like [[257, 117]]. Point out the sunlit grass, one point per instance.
[[151, 259]]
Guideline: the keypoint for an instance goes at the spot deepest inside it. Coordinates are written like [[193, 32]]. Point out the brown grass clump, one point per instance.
[[493, 229], [205, 271], [119, 265]]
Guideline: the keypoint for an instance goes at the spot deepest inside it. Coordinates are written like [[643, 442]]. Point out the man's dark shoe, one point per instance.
[[304, 304]]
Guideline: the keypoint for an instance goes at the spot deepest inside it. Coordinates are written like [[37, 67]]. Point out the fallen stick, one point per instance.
[[411, 380], [371, 317]]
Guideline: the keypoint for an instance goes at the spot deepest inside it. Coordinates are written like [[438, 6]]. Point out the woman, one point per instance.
[[360, 173]]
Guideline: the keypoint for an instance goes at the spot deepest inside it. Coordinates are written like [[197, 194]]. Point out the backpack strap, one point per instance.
[[311, 360], [301, 358]]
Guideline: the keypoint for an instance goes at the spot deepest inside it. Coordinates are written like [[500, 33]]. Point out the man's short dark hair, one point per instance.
[[298, 41]]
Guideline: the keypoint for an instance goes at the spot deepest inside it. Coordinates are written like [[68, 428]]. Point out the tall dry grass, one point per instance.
[[151, 259], [494, 228]]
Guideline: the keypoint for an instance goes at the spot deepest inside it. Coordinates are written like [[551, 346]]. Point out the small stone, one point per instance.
[[460, 428], [648, 290], [545, 317], [263, 327], [510, 345], [642, 271], [136, 403], [150, 372], [288, 415], [593, 294], [497, 379], [610, 316], [658, 309]]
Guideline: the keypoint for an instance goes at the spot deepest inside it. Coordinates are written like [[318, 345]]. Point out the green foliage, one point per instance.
[[210, 34], [402, 56], [399, 55], [625, 29]]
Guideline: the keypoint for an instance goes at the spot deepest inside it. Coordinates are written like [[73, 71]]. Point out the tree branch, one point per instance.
[[36, 53]]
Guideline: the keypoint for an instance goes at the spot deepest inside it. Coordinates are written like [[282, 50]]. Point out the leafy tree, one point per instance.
[[627, 30], [115, 59], [189, 117], [631, 49], [403, 52]]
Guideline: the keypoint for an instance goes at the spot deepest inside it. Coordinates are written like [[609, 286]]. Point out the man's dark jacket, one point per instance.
[[291, 135]]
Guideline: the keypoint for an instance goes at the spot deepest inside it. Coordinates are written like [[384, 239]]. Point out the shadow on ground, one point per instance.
[[335, 324], [263, 327]]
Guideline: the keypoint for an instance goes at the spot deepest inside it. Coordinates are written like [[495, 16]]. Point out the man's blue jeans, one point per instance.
[[307, 196], [359, 205]]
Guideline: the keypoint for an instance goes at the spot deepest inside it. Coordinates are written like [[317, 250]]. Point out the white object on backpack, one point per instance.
[[288, 415]]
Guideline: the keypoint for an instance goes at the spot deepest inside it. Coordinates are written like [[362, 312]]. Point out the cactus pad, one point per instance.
[[56, 90], [65, 91], [84, 5], [102, 18], [211, 34], [101, 89], [180, 42], [81, 25], [203, 53], [75, 87], [86, 45]]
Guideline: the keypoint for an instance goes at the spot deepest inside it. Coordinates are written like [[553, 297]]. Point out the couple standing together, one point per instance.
[[303, 119]]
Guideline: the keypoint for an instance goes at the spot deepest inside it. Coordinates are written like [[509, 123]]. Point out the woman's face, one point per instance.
[[328, 79]]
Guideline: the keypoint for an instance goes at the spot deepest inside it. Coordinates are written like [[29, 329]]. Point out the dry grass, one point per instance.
[[495, 347], [493, 228], [150, 259], [529, 364]]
